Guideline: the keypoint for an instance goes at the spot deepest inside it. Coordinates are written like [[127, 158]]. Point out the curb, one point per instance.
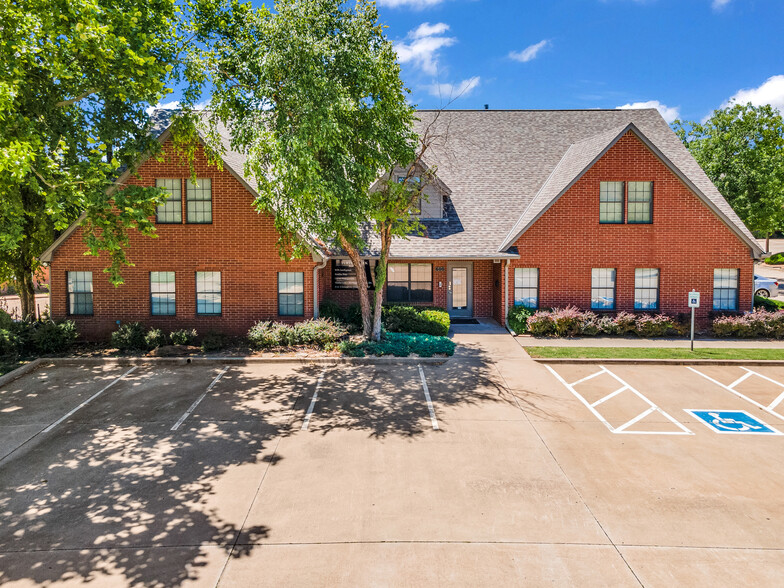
[[20, 371], [209, 360], [628, 361]]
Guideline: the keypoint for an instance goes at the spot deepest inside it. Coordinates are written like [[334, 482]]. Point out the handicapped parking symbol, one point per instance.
[[731, 424], [732, 421]]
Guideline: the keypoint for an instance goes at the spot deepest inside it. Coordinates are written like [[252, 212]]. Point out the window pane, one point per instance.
[[171, 210], [80, 292], [640, 202], [526, 287], [421, 272], [208, 293], [611, 202], [398, 272], [646, 289], [199, 202], [291, 293], [725, 289], [162, 293], [603, 288]]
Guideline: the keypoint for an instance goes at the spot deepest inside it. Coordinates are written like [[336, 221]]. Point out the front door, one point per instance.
[[460, 289]]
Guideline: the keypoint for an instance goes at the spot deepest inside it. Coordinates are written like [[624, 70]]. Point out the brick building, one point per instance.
[[603, 209]]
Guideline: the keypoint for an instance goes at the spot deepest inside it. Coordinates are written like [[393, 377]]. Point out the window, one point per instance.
[[162, 293], [344, 276], [526, 287], [208, 293], [199, 203], [291, 294], [646, 289], [171, 210], [603, 289], [611, 202], [410, 282], [639, 206], [80, 292], [725, 289]]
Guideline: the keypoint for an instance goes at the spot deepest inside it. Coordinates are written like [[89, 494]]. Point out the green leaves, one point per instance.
[[741, 149]]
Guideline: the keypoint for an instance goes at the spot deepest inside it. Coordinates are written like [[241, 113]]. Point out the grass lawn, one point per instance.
[[652, 353]]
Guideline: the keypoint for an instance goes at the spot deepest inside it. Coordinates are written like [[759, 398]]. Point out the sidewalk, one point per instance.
[[699, 343]]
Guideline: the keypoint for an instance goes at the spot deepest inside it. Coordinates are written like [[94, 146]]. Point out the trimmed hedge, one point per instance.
[[410, 319], [573, 322], [320, 332], [775, 259], [768, 303], [762, 323]]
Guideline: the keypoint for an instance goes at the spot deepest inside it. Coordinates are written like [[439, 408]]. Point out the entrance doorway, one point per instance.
[[460, 289]]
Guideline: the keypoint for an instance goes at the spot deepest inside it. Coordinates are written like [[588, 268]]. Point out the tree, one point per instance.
[[76, 80], [741, 149], [321, 114]]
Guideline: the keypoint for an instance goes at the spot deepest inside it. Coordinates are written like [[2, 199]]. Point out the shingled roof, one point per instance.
[[505, 168]]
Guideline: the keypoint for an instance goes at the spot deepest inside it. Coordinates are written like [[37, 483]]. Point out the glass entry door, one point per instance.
[[460, 286]]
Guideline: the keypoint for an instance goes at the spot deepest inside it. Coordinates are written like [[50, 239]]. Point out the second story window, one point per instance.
[[171, 210], [611, 202], [199, 201], [639, 207]]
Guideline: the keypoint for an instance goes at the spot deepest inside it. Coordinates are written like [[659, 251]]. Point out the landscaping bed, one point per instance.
[[652, 353]]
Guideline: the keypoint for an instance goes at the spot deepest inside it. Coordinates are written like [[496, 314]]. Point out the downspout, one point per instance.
[[315, 286], [506, 296]]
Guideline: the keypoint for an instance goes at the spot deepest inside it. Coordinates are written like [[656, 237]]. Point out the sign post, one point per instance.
[[694, 302]]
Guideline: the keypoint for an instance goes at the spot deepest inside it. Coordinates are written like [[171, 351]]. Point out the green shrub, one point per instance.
[[517, 318], [329, 309], [351, 348], [9, 342], [130, 337], [353, 316], [320, 332], [183, 337], [6, 321], [402, 345], [155, 338], [408, 319], [213, 341], [52, 337], [775, 259]]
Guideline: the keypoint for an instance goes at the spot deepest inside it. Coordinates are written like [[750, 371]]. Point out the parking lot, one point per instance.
[[483, 469]]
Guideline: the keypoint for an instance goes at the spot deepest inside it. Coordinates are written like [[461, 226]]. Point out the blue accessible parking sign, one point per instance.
[[733, 421]]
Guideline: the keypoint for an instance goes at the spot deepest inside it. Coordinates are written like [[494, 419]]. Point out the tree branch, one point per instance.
[[70, 101]]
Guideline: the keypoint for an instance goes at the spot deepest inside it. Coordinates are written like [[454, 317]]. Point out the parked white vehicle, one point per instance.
[[765, 287]]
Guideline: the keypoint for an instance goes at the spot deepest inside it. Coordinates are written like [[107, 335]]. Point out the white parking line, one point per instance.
[[88, 401], [731, 388], [622, 429], [199, 399], [433, 420], [306, 422]]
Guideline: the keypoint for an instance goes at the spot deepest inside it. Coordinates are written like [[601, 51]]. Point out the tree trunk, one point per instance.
[[767, 242], [26, 290], [385, 232], [24, 264], [364, 298]]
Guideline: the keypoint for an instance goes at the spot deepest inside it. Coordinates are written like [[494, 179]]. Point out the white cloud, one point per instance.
[[670, 113], [451, 92], [771, 92], [719, 4], [415, 4], [426, 41], [529, 52]]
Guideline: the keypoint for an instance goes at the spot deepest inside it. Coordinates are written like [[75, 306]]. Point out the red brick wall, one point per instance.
[[240, 243], [686, 240]]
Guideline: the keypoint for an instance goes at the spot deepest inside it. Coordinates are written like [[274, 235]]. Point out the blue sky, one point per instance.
[[686, 56]]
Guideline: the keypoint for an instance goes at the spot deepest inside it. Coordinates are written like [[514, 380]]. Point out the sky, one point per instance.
[[685, 57]]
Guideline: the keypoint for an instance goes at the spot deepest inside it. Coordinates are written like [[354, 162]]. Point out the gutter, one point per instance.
[[506, 296], [315, 286]]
